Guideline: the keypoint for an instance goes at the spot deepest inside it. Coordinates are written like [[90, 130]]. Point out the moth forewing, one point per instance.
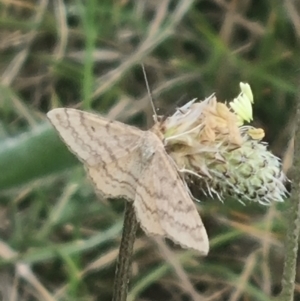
[[93, 138]]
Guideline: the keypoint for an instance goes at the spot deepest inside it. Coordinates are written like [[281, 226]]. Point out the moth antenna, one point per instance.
[[155, 117]]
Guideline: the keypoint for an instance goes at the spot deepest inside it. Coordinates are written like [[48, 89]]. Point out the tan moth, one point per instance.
[[124, 161]]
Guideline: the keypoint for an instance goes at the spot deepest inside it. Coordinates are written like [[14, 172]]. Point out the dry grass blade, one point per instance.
[[150, 42], [24, 271], [244, 277], [172, 259], [15, 66]]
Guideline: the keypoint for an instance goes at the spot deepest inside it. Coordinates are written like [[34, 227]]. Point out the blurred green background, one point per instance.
[[58, 240]]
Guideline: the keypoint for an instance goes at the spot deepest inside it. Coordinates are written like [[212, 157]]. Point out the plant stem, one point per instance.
[[293, 219], [123, 267]]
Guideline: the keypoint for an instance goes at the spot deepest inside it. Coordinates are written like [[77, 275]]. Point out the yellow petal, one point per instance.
[[246, 89], [256, 134]]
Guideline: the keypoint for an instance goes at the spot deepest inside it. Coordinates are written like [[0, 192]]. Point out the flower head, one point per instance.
[[211, 145]]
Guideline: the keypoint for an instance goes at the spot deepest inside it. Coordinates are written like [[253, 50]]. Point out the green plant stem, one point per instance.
[[293, 219], [123, 267]]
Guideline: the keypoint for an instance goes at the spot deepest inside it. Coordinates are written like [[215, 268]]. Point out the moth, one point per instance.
[[124, 161]]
